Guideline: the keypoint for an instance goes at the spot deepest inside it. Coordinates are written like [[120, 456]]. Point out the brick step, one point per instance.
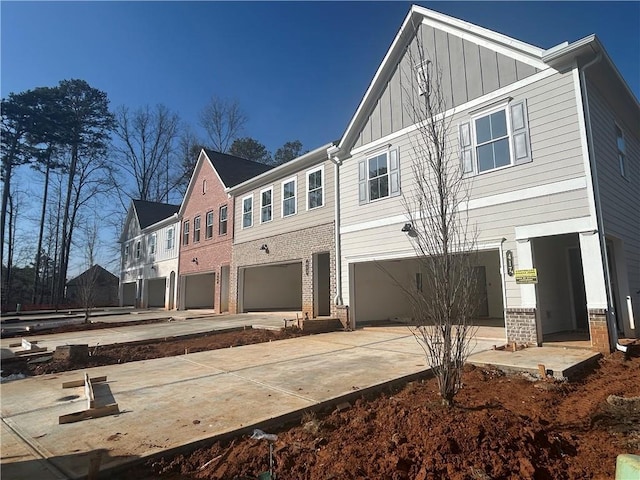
[[321, 325]]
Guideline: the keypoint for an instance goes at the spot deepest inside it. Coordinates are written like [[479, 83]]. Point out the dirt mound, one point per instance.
[[502, 427]]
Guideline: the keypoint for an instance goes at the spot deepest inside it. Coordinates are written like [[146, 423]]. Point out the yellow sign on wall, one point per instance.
[[527, 276]]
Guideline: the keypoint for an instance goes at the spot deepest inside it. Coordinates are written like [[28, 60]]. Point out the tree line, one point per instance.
[[92, 162]]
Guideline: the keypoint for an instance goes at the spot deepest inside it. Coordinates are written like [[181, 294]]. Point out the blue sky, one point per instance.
[[299, 69]]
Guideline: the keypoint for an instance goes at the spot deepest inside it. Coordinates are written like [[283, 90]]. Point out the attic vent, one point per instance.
[[423, 71]]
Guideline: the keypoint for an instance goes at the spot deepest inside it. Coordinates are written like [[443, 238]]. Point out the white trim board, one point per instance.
[[477, 102], [559, 227]]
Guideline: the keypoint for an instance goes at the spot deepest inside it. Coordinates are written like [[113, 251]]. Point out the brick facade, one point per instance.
[[211, 253], [598, 330], [520, 324], [299, 245]]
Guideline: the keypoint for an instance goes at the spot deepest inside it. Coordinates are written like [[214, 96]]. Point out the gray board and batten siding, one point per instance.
[[468, 71]]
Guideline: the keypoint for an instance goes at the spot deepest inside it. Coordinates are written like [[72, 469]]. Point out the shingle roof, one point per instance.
[[152, 212], [96, 275], [235, 170]]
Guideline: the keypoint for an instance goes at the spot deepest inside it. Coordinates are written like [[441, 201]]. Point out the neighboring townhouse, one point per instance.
[[95, 287], [149, 255], [207, 229], [549, 143], [284, 253]]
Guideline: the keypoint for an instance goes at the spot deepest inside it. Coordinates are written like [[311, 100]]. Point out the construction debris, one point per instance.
[[92, 411]]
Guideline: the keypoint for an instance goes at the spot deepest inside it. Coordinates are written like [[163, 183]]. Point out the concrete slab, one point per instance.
[[170, 402], [108, 336], [560, 362]]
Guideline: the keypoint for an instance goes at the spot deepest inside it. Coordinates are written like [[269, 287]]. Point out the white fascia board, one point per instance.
[[394, 52], [196, 169], [161, 223], [508, 46], [304, 161]]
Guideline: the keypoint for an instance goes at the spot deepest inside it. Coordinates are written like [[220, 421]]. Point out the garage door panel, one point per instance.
[[157, 292], [199, 291], [273, 287], [129, 294]]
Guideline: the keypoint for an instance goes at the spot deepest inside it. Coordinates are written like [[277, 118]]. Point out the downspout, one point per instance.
[[332, 154], [611, 323]]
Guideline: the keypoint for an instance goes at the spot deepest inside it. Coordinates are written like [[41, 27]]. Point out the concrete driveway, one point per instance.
[[170, 402]]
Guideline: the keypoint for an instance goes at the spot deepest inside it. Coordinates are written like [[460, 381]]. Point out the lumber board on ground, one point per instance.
[[95, 412], [80, 383]]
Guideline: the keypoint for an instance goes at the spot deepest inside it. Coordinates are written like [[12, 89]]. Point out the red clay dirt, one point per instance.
[[502, 427], [148, 349]]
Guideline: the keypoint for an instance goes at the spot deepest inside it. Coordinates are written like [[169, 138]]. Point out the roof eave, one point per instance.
[[304, 161]]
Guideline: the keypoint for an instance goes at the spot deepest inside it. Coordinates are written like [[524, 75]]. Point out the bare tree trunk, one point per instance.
[[66, 237], [36, 274]]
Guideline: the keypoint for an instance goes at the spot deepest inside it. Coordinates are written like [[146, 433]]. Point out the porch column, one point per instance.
[[520, 322], [595, 288]]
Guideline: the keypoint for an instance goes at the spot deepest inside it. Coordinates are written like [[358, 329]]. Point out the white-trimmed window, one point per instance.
[[170, 238], [379, 176], [266, 205], [622, 153], [495, 138], [289, 192], [126, 253], [138, 249], [209, 230], [196, 229], [315, 188], [222, 220], [185, 232], [247, 211], [152, 244]]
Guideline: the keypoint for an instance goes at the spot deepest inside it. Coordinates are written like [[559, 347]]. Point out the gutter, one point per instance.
[[332, 153], [614, 344]]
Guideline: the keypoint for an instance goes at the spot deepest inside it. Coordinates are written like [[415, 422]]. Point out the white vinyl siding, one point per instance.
[[315, 188], [289, 197], [266, 205], [247, 211]]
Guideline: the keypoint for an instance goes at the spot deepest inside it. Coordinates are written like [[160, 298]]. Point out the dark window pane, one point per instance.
[[498, 124], [485, 157], [501, 152], [483, 130]]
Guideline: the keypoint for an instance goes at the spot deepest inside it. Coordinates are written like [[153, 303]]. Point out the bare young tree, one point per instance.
[[445, 303], [88, 281], [223, 120]]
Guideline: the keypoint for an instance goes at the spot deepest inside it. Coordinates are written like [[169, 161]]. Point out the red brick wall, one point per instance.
[[212, 253]]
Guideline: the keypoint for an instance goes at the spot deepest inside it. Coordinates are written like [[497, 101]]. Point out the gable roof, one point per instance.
[[229, 169], [233, 170], [417, 16], [97, 275], [149, 213]]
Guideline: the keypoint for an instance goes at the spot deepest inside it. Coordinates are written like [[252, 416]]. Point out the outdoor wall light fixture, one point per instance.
[[195, 260], [306, 267], [153, 267], [407, 228], [265, 248]]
